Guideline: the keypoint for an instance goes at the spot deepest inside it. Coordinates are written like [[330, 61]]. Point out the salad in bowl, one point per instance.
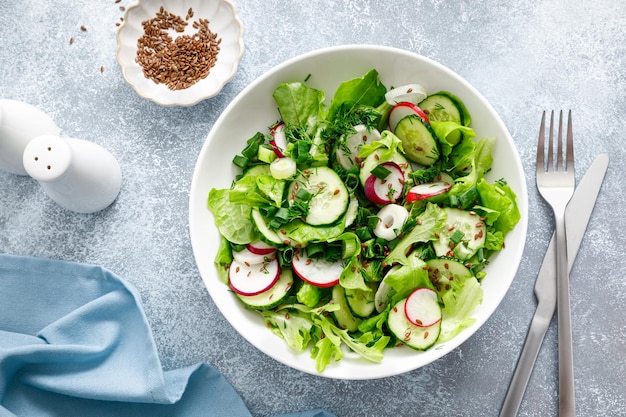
[[362, 223]]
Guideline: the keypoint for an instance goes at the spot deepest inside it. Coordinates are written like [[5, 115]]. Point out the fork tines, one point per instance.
[[561, 165]]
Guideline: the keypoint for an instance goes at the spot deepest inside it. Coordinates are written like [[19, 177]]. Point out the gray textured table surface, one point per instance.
[[523, 56]]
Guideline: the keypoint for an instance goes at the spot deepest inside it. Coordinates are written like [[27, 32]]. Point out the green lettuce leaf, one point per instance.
[[459, 303], [293, 326], [390, 144], [444, 129], [408, 278], [232, 219], [499, 197], [430, 222], [364, 91], [299, 105]]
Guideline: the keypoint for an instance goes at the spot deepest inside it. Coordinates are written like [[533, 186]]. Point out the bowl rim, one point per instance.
[[175, 101], [521, 227]]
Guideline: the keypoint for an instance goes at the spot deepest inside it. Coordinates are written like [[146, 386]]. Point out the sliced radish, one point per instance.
[[412, 93], [350, 146], [279, 139], [390, 220], [246, 256], [422, 307], [385, 190], [427, 190], [260, 248], [402, 110], [317, 271], [253, 279]]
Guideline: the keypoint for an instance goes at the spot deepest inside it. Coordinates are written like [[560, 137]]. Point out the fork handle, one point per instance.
[[567, 402]]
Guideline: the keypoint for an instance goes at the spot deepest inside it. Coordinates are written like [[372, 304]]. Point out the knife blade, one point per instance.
[[577, 217]]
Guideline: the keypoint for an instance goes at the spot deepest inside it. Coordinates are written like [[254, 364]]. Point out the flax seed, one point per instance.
[[178, 63]]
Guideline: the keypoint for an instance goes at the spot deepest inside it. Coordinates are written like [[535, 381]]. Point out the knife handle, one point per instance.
[[526, 362]]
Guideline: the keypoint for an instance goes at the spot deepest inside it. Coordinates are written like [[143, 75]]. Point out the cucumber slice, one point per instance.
[[343, 316], [418, 338], [348, 147], [271, 297], [361, 302], [443, 271], [330, 195], [418, 140], [267, 235], [462, 235], [445, 107], [441, 108], [261, 169]]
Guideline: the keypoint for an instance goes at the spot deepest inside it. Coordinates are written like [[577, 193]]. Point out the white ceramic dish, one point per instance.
[[223, 21], [327, 69]]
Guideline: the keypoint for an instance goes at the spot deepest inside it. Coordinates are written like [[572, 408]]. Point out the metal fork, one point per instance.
[[556, 184]]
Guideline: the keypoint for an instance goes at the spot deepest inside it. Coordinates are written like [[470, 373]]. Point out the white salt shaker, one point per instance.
[[19, 123], [79, 175]]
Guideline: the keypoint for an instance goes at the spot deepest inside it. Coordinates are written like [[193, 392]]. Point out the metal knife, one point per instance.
[[577, 217]]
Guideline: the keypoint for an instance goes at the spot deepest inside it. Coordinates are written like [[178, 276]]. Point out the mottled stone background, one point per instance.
[[523, 56]]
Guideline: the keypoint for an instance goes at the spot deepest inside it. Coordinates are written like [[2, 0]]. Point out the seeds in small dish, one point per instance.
[[178, 63]]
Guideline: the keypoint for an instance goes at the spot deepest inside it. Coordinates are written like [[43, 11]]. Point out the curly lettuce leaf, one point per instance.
[[459, 303], [293, 326], [501, 198], [388, 142], [431, 221], [407, 278]]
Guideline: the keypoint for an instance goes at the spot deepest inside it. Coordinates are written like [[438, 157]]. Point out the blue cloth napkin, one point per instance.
[[74, 341]]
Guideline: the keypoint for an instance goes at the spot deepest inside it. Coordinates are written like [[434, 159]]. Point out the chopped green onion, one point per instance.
[[372, 222], [457, 236], [303, 195], [315, 249], [282, 214], [266, 154], [241, 161], [364, 233], [268, 211], [350, 246], [381, 172]]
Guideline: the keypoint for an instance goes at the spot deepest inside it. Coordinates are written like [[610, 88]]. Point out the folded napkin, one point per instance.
[[74, 341]]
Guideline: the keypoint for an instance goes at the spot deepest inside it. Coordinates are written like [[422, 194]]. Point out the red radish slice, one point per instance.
[[402, 110], [246, 256], [260, 248], [413, 93], [279, 139], [253, 279], [317, 271], [427, 190], [422, 307], [386, 190]]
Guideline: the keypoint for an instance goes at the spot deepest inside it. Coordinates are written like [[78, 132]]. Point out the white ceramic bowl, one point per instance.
[[223, 21], [327, 69]]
